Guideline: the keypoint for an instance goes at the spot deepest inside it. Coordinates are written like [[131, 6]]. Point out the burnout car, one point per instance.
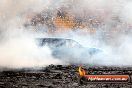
[[67, 49]]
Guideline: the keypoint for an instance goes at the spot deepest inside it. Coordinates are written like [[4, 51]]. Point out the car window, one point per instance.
[[54, 42]]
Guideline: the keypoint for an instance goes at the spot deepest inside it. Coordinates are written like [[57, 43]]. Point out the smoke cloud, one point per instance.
[[17, 46], [112, 36]]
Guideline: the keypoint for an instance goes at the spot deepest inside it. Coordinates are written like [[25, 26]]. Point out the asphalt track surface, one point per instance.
[[59, 76]]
